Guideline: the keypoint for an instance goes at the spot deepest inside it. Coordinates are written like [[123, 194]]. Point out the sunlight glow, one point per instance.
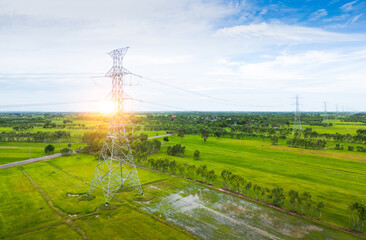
[[106, 107]]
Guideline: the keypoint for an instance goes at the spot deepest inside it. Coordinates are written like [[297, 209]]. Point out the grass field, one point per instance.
[[337, 178], [36, 205], [18, 151], [338, 127]]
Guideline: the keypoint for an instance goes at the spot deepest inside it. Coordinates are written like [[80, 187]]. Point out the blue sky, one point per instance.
[[229, 55]]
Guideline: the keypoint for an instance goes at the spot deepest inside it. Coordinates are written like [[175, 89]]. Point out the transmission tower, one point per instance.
[[297, 121], [116, 167], [325, 118]]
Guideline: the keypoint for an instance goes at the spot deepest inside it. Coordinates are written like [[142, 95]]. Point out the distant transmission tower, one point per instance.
[[325, 118], [116, 167], [297, 122]]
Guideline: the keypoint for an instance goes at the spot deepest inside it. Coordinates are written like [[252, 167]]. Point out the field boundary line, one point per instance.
[[61, 213], [159, 180], [68, 173], [33, 230], [261, 203]]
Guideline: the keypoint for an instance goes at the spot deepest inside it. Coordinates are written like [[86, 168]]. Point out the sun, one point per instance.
[[106, 107]]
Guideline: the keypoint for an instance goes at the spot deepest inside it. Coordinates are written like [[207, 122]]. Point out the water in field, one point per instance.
[[209, 214]]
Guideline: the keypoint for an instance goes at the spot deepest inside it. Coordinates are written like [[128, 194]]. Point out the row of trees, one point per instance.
[[306, 143], [350, 148], [34, 136], [358, 148], [357, 216], [22, 127], [300, 203], [200, 173]]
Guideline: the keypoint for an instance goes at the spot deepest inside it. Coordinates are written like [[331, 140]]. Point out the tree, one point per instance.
[[274, 139], [166, 139], [182, 168], [294, 197], [202, 170], [218, 132], [319, 208], [205, 133], [69, 145], [196, 155], [277, 196], [156, 146], [176, 150], [173, 166], [257, 189], [248, 186], [181, 134], [357, 215], [225, 174], [49, 149], [191, 171], [143, 137], [305, 201], [211, 177]]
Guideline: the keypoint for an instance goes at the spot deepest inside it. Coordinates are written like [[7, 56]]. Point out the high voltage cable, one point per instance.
[[216, 99], [47, 104], [44, 74]]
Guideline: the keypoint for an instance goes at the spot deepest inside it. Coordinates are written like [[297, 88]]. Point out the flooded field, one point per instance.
[[210, 214]]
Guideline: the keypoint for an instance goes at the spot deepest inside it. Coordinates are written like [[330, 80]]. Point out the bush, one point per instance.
[[196, 155], [66, 151], [49, 149], [351, 148], [176, 150]]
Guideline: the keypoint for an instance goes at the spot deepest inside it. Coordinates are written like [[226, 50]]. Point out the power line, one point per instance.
[[216, 99], [211, 98], [47, 104]]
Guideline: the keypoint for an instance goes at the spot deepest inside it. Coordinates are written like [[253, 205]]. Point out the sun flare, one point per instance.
[[106, 107]]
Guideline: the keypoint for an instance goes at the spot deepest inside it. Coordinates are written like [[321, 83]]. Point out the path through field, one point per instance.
[[32, 160], [13, 164]]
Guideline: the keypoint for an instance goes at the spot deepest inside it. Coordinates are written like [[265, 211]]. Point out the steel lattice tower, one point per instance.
[[116, 167], [297, 121], [325, 118]]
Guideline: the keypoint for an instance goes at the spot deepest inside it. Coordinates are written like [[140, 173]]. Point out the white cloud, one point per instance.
[[176, 42], [354, 19], [337, 18], [278, 33], [348, 6], [318, 14]]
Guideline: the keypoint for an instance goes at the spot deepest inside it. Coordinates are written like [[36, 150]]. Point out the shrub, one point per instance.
[[196, 155], [49, 149], [66, 151], [176, 150]]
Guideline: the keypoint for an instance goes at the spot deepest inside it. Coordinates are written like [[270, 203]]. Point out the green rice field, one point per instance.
[[335, 177], [42, 200]]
